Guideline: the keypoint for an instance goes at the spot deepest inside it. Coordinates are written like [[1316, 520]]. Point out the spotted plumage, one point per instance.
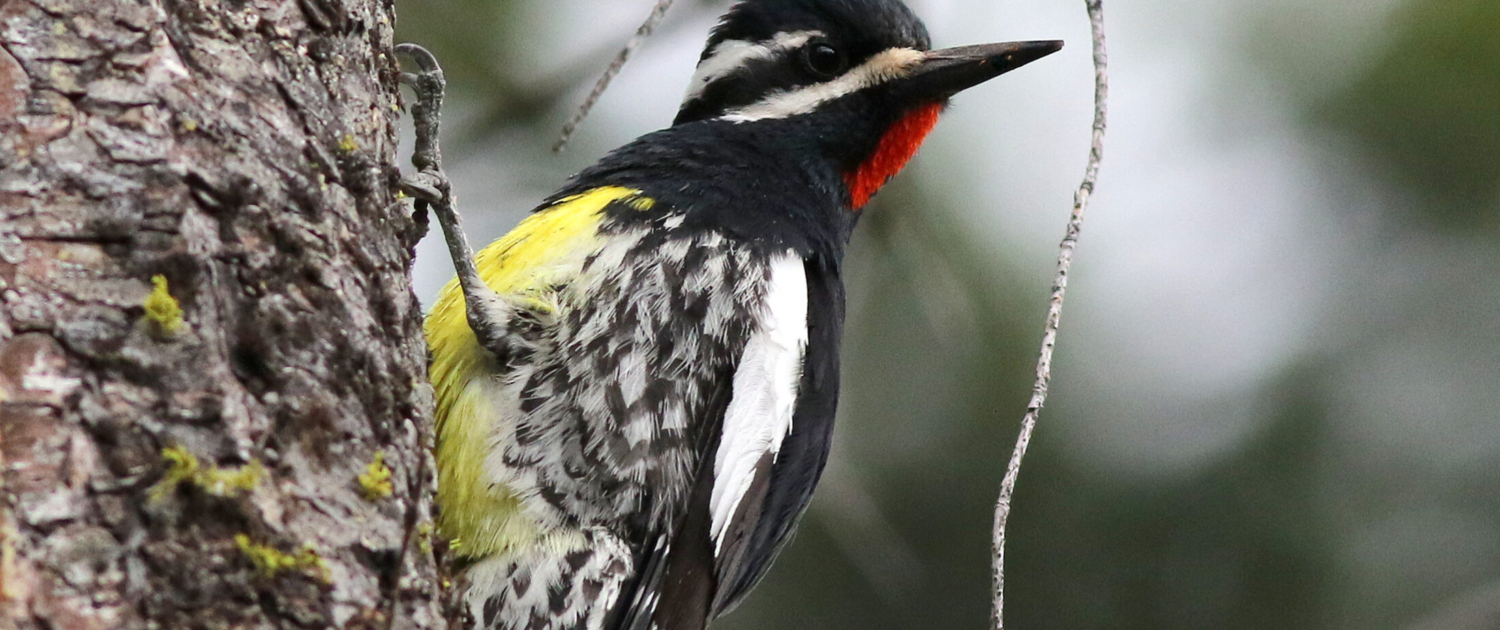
[[636, 387]]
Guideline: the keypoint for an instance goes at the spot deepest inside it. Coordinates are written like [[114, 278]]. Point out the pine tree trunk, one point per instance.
[[222, 465]]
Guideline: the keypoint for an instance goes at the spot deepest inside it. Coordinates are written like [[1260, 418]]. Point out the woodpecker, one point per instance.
[[636, 387]]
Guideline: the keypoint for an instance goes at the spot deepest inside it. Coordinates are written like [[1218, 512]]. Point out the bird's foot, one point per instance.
[[430, 184], [488, 313]]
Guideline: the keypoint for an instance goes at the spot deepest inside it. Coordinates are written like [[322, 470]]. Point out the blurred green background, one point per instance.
[[1277, 398]]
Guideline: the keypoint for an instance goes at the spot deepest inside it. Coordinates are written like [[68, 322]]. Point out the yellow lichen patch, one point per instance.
[[224, 482], [270, 560], [424, 536], [375, 483], [162, 309], [183, 466], [348, 144]]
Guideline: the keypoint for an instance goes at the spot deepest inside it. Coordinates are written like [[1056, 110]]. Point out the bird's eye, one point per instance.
[[824, 60]]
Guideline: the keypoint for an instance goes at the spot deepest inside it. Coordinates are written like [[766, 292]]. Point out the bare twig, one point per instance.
[[657, 14], [1054, 308]]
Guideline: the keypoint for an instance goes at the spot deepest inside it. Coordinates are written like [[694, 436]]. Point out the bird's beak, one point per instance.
[[952, 70]]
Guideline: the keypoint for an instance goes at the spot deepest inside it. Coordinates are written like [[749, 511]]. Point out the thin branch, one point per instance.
[[1054, 308], [649, 26]]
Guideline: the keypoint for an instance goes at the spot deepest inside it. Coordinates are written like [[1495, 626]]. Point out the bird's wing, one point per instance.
[[783, 475], [759, 462]]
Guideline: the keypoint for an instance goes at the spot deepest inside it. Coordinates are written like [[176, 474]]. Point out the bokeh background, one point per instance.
[[1277, 398]]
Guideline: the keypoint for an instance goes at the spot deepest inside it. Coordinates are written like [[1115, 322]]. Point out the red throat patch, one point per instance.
[[896, 147]]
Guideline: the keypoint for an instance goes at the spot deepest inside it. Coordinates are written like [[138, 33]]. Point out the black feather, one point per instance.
[[789, 484]]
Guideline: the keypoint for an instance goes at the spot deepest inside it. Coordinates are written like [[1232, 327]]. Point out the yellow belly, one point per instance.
[[479, 514]]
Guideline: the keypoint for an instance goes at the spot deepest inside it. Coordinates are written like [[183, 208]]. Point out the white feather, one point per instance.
[[734, 54], [759, 415], [883, 67]]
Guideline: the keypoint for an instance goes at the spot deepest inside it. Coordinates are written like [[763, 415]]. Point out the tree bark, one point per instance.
[[223, 465]]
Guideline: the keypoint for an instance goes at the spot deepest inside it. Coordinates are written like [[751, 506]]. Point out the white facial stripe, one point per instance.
[[732, 55], [884, 66], [760, 410]]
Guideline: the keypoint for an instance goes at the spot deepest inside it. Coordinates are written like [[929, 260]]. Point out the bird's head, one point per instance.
[[857, 78]]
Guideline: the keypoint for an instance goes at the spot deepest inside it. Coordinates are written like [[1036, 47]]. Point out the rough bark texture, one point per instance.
[[207, 475]]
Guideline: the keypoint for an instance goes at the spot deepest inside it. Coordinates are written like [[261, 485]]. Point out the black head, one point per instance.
[[780, 58], [801, 109]]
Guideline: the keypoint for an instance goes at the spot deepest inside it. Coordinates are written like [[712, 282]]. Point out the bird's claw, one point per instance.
[[428, 85], [426, 186], [424, 58]]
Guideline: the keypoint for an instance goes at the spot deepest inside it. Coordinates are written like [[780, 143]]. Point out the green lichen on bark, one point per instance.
[[183, 466], [271, 561], [375, 482], [162, 309]]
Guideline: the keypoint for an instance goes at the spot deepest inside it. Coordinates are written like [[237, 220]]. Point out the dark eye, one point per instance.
[[824, 60]]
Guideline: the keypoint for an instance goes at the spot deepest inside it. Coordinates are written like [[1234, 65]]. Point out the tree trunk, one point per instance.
[[209, 449]]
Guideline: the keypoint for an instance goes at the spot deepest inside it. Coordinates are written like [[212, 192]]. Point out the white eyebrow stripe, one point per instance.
[[731, 55], [886, 65]]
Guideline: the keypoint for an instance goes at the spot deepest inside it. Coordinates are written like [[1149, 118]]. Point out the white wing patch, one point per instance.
[[760, 411]]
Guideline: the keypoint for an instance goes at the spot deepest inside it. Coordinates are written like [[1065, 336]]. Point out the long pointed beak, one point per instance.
[[952, 70]]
